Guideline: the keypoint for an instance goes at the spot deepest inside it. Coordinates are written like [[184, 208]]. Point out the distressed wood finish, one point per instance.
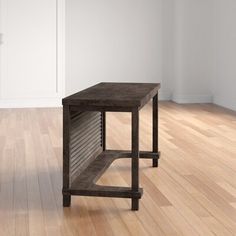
[[155, 129], [85, 141], [104, 130], [85, 184], [85, 157], [66, 154], [135, 157], [121, 95]]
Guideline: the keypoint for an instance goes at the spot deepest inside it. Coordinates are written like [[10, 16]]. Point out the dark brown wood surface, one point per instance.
[[85, 157], [133, 95], [135, 157]]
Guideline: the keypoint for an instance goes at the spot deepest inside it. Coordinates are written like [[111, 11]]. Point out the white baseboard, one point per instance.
[[192, 98], [230, 105], [33, 102], [165, 95]]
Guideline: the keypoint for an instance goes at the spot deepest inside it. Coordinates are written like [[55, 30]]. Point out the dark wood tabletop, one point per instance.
[[114, 94]]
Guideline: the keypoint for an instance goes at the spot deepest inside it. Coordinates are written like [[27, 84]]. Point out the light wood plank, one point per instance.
[[193, 192]]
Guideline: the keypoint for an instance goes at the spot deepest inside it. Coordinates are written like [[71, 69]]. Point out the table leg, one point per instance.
[[135, 157], [66, 155], [155, 128], [104, 130]]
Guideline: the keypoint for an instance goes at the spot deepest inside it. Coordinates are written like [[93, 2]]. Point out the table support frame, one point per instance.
[[85, 184]]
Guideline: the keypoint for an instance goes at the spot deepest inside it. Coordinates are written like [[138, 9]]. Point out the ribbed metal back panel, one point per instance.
[[85, 141]]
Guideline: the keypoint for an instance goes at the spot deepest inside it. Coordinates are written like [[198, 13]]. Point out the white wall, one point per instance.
[[176, 42], [110, 40], [168, 41], [187, 45], [224, 85], [204, 52], [194, 50]]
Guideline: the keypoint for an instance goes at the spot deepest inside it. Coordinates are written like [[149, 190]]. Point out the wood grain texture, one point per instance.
[[86, 131], [114, 95], [193, 192]]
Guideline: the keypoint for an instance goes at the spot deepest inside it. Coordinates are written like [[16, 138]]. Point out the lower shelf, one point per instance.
[[85, 183]]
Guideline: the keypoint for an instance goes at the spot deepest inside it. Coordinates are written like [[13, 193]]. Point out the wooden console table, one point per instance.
[[85, 157]]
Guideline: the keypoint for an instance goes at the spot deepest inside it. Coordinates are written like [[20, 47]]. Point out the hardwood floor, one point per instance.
[[193, 192]]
